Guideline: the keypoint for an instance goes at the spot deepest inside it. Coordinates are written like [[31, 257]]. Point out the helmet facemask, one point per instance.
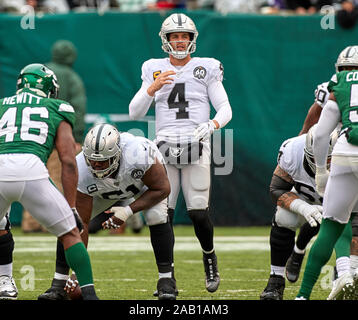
[[102, 145], [178, 22]]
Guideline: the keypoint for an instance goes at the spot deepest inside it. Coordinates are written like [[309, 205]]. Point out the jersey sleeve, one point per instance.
[[140, 155], [285, 159], [84, 176], [65, 112], [147, 77], [333, 82], [216, 71], [321, 94]]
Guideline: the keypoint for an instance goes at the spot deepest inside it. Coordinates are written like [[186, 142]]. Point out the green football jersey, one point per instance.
[[29, 122], [344, 85]]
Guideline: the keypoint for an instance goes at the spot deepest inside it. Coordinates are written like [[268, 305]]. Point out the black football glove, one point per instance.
[[78, 219]]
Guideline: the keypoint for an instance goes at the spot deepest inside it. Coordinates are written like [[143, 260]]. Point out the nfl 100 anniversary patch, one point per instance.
[[137, 174], [199, 72]]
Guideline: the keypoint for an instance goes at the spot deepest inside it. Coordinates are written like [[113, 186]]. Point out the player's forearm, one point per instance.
[[140, 104], [69, 178], [149, 199], [280, 187], [312, 117], [328, 121], [220, 102]]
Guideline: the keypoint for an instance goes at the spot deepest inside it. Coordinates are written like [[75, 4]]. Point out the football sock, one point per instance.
[[277, 270], [342, 265], [61, 263], [343, 244], [282, 241], [6, 248], [354, 263], [305, 235], [203, 227], [79, 261], [161, 237], [299, 251], [319, 254]]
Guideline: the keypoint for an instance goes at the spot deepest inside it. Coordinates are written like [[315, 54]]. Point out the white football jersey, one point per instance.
[[182, 105], [138, 155], [321, 94], [290, 159]]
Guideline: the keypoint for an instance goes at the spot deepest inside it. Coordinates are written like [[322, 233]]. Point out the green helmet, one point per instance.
[[38, 77]]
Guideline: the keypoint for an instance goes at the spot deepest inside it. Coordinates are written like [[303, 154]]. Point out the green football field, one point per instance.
[[124, 267]]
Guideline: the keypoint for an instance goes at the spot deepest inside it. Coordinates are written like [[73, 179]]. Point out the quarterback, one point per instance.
[[32, 123], [182, 88], [122, 174]]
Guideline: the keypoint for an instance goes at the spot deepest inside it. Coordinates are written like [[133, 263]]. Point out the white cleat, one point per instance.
[[300, 298], [344, 281], [8, 290]]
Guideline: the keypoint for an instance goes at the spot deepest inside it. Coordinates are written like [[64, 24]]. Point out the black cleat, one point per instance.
[[293, 266], [274, 289], [88, 293], [212, 277], [55, 292], [155, 293], [166, 289]]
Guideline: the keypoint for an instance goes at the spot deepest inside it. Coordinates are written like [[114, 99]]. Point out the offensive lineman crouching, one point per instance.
[[126, 174]]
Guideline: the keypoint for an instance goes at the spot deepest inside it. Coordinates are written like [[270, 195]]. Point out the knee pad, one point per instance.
[[196, 188], [6, 248], [157, 214], [287, 219]]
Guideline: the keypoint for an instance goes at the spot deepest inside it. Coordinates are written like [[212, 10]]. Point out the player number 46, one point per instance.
[[8, 126]]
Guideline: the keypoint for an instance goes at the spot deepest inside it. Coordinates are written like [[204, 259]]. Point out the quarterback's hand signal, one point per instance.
[[160, 81]]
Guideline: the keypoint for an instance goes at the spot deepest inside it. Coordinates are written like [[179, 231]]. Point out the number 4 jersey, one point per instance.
[[28, 126], [183, 104]]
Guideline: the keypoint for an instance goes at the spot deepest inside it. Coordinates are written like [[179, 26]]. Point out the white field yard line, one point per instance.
[[124, 243]]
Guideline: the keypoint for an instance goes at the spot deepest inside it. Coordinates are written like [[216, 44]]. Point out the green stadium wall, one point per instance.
[[272, 66]]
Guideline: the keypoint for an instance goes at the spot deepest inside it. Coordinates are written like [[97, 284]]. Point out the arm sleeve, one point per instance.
[[328, 121], [220, 102], [140, 103]]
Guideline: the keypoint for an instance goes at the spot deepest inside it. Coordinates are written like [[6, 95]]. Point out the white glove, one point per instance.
[[204, 130], [121, 214], [321, 180], [312, 213]]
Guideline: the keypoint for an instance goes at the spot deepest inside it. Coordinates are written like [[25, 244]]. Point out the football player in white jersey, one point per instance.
[[122, 174], [182, 88], [292, 189]]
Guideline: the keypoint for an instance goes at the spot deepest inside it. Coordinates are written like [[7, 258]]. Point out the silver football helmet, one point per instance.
[[308, 150], [178, 22], [348, 57], [101, 144]]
